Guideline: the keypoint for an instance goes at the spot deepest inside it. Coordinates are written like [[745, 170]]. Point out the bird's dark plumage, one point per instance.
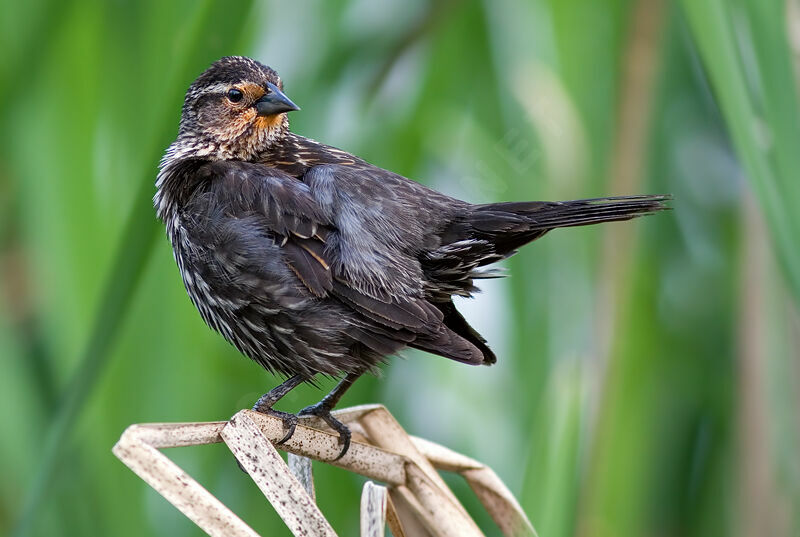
[[312, 261]]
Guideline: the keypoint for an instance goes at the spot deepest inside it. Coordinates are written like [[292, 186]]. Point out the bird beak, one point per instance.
[[274, 102]]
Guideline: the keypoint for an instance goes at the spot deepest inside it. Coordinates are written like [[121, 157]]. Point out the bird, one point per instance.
[[315, 263]]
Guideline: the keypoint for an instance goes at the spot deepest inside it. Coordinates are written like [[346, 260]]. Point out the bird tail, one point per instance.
[[487, 233], [509, 225], [553, 214]]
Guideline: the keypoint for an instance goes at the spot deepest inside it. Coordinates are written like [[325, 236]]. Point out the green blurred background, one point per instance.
[[648, 374]]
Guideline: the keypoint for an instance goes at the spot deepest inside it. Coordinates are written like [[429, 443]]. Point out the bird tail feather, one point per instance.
[[510, 225], [550, 215]]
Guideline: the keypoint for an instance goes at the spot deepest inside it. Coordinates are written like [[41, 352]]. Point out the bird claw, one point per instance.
[[323, 412], [289, 421], [319, 410]]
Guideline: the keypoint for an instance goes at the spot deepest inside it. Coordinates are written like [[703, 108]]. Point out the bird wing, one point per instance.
[[333, 238], [283, 208], [381, 225]]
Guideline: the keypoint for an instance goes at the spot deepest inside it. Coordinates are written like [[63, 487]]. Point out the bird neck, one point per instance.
[[242, 141]]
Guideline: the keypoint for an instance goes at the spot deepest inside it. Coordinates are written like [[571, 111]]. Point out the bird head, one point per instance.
[[236, 109]]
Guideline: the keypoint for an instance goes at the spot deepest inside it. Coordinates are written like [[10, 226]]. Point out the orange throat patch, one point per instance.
[[268, 122]]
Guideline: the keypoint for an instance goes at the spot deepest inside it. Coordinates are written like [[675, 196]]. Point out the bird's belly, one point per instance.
[[273, 322]]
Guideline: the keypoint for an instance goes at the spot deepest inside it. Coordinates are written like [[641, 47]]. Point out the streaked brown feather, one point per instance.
[[311, 272]]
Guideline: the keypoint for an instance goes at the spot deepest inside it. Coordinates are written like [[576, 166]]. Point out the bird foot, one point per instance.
[[323, 411], [289, 421]]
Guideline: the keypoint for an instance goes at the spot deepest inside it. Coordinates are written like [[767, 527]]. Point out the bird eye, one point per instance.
[[235, 95]]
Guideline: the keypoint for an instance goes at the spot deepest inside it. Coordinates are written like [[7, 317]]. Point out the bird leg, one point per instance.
[[323, 410], [265, 402]]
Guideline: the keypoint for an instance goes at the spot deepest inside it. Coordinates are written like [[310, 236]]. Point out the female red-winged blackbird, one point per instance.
[[312, 261]]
